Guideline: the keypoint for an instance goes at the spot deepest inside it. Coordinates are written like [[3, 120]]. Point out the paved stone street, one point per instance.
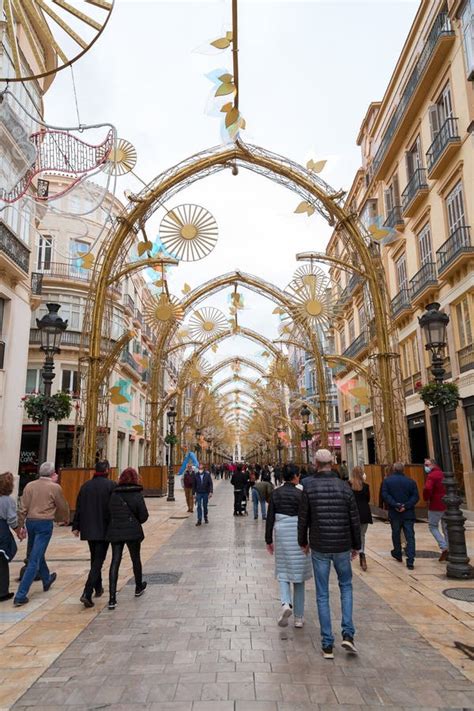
[[210, 641]]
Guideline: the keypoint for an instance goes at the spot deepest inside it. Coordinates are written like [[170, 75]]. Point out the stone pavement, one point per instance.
[[210, 642]]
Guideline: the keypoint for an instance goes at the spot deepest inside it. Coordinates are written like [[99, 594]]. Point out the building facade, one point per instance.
[[417, 177]]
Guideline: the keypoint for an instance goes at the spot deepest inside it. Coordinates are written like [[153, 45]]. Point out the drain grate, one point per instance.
[[427, 554], [159, 578], [463, 594]]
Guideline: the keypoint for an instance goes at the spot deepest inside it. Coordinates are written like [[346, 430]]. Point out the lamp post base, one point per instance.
[[170, 488], [458, 566]]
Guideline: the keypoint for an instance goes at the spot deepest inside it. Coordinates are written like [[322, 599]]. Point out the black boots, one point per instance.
[[363, 561]]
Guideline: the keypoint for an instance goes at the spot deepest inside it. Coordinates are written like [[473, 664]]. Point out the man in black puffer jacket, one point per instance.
[[328, 509]]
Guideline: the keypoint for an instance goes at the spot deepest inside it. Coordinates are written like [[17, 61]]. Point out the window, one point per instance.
[[45, 251], [413, 158], [424, 245], [467, 25], [362, 319], [369, 214], [401, 269], [440, 111], [77, 248], [410, 358], [343, 341], [70, 382], [32, 380], [392, 195], [351, 329], [455, 208], [463, 319]]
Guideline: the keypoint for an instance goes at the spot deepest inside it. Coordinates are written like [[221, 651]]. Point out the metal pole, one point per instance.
[[48, 375], [306, 443], [458, 561], [170, 469]]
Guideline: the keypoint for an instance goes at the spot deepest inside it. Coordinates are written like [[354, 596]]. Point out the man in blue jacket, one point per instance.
[[202, 492], [401, 495]]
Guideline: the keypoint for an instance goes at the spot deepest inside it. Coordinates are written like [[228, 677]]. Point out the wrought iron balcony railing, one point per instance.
[[36, 283], [394, 217], [448, 133], [129, 303], [64, 271], [400, 302], [466, 358], [14, 248], [426, 276], [138, 316], [458, 243], [416, 183], [356, 346], [126, 357], [441, 28], [411, 384]]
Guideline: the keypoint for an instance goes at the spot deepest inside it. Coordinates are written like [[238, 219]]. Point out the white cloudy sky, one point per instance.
[[308, 71]]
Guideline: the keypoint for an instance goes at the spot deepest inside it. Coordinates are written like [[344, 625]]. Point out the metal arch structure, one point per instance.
[[327, 202], [240, 360], [233, 379]]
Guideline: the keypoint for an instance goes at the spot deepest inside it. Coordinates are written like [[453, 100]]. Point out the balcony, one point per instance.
[[129, 304], [435, 49], [411, 384], [415, 192], [457, 251], [346, 295], [14, 254], [424, 283], [466, 358], [138, 317], [127, 358], [400, 304], [443, 148], [69, 339], [64, 271], [357, 346], [395, 219]]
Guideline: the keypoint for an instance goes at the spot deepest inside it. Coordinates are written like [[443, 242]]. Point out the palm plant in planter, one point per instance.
[[55, 407]]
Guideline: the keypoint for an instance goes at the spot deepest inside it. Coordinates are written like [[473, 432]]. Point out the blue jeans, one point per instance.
[[434, 519], [408, 525], [202, 501], [322, 569], [263, 504], [298, 596], [39, 536]]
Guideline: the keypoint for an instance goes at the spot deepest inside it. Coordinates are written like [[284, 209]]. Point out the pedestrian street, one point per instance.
[[207, 640]]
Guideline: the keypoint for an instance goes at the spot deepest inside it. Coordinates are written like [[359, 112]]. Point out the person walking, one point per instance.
[[8, 520], [362, 496], [291, 564], [188, 481], [90, 522], [42, 503], [433, 493], [261, 493], [344, 471], [203, 489], [239, 481], [401, 495], [329, 512], [127, 512]]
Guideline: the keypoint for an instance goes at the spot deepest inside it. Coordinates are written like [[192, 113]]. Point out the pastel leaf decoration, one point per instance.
[[266, 354], [221, 43], [225, 78], [305, 207], [231, 117], [186, 289], [316, 166], [116, 397], [214, 348], [138, 429], [160, 283], [224, 89], [278, 310], [144, 247], [87, 260], [227, 107], [229, 35]]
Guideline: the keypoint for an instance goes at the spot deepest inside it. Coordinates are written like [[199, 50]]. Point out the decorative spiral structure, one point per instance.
[[189, 232]]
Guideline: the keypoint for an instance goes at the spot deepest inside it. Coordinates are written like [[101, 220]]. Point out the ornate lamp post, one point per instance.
[[434, 323], [198, 445], [51, 327], [305, 413], [171, 415]]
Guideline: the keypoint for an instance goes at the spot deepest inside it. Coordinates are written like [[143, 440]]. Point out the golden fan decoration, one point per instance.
[[54, 33], [198, 370], [206, 323], [309, 290], [122, 158], [189, 232], [161, 309]]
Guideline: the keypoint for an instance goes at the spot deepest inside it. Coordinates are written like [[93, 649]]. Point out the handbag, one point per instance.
[[7, 542]]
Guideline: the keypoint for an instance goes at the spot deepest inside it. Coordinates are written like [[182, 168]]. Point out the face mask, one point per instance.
[[427, 469]]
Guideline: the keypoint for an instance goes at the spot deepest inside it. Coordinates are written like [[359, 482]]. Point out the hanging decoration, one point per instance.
[[162, 308], [205, 323], [54, 33], [309, 291], [381, 233], [189, 232], [121, 159]]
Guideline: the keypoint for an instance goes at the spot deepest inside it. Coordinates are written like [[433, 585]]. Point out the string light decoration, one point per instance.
[[207, 322], [189, 232]]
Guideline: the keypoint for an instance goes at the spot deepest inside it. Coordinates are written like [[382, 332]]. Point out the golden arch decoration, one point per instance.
[[296, 178]]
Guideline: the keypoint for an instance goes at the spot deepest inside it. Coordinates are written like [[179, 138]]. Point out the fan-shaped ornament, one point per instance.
[[199, 370], [122, 158], [161, 309], [54, 33], [206, 323], [189, 232], [310, 293]]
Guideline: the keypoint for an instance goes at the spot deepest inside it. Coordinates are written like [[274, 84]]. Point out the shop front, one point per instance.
[[417, 438]]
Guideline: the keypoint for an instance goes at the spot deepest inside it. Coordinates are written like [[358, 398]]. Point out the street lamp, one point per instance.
[[434, 324], [51, 327], [198, 445], [171, 415], [305, 413]]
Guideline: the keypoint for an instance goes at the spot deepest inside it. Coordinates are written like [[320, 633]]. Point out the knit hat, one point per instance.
[[323, 456]]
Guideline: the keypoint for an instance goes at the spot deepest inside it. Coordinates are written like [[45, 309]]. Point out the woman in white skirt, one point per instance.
[[291, 564]]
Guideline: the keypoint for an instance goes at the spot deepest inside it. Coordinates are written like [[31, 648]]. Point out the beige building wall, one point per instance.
[[417, 177]]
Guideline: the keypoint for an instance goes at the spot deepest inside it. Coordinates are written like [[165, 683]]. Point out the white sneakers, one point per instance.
[[285, 613], [299, 622]]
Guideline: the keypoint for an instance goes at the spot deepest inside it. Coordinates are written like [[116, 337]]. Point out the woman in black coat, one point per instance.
[[127, 513], [362, 496]]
